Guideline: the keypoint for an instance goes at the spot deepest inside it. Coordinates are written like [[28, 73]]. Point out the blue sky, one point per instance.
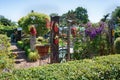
[[15, 9]]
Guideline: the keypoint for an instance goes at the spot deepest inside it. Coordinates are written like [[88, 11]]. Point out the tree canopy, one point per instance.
[[79, 15], [53, 14], [116, 15], [6, 22]]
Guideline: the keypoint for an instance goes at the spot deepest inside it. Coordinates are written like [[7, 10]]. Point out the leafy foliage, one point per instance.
[[79, 15], [34, 18], [117, 45], [41, 41], [100, 68], [117, 31], [6, 22], [7, 29], [2, 27], [33, 56], [116, 15], [20, 44], [5, 60], [91, 42]]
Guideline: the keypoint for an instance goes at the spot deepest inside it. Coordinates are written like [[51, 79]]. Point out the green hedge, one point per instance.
[[100, 68]]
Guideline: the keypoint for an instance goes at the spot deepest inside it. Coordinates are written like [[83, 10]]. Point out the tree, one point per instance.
[[104, 19], [79, 15], [6, 22], [63, 19], [38, 19], [53, 14], [69, 15], [1, 16], [116, 15]]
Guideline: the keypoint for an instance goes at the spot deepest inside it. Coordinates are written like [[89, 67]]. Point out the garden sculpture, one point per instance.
[[32, 37]]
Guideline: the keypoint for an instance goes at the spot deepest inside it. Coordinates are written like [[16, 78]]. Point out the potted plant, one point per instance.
[[42, 46]]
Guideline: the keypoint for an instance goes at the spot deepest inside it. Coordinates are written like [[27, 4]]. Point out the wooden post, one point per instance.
[[68, 42], [55, 39], [70, 22], [111, 35]]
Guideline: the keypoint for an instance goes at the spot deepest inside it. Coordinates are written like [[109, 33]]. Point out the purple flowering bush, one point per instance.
[[94, 43], [92, 32], [96, 38]]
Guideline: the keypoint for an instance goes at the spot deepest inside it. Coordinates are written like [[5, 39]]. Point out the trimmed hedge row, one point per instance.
[[99, 68]]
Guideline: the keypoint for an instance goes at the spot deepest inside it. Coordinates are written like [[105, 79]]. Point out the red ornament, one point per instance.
[[56, 27], [33, 31], [56, 41], [73, 31]]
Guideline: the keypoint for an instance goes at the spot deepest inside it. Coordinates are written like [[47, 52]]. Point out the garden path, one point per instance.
[[21, 60]]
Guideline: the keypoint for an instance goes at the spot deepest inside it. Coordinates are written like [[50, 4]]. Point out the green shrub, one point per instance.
[[7, 32], [41, 41], [7, 29], [20, 44], [26, 41], [117, 45], [100, 68], [27, 49], [117, 34], [33, 56], [5, 60]]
